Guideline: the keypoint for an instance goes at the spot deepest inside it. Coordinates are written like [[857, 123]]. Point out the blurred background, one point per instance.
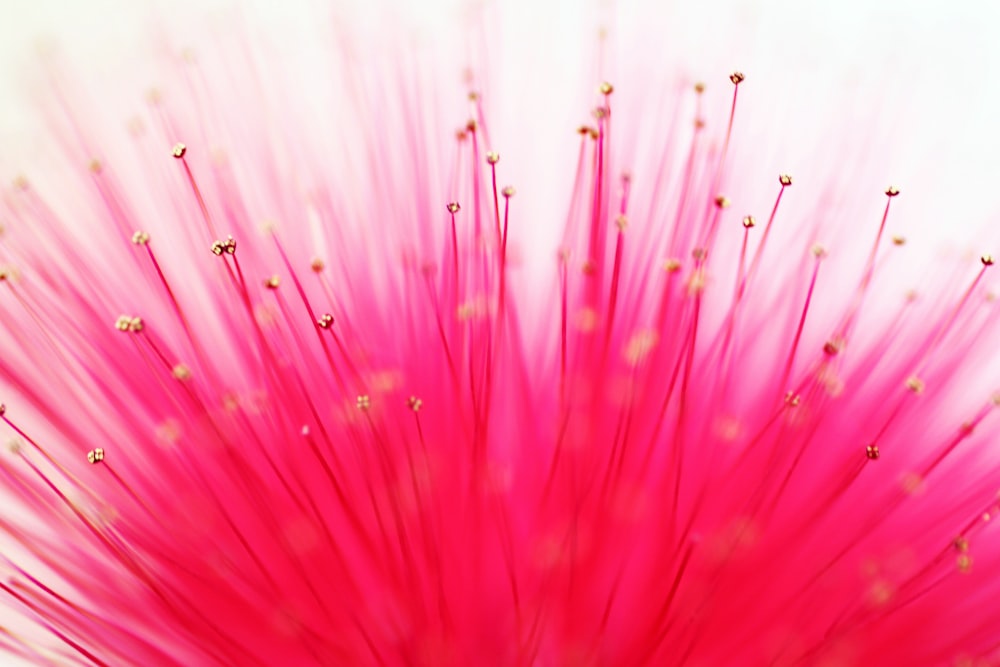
[[862, 93]]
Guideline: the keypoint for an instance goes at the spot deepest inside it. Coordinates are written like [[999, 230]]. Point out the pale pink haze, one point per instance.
[[273, 403]]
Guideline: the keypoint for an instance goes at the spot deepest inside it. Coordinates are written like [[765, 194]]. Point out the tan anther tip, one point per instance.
[[325, 321], [317, 265], [508, 191], [785, 179], [891, 191], [672, 265], [272, 282], [722, 201], [453, 207], [364, 402], [179, 150], [871, 451], [749, 221], [621, 222], [181, 372], [987, 260], [737, 78], [818, 251], [606, 88], [492, 157], [699, 87], [95, 455], [140, 237], [414, 403], [898, 240]]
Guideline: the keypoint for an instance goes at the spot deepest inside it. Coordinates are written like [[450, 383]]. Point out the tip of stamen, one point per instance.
[[987, 259], [871, 451], [414, 403], [453, 207], [95, 456], [364, 403], [181, 372], [722, 201], [140, 237], [606, 88], [179, 150], [317, 265], [785, 179], [272, 282], [492, 157], [508, 191], [325, 321], [891, 191], [737, 78], [749, 221], [224, 247], [699, 87]]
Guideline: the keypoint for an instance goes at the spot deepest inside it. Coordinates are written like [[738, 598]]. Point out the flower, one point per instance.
[[288, 392]]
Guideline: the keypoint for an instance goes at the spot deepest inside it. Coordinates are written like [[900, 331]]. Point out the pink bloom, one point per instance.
[[312, 390]]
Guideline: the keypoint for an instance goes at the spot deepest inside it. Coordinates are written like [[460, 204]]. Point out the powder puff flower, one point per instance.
[[292, 378]]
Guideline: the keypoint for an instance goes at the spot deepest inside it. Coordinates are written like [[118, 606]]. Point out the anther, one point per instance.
[[364, 403], [228, 247], [492, 157], [3, 409], [672, 265], [621, 222], [899, 240], [508, 191], [140, 238], [95, 166], [749, 221], [722, 201], [785, 179], [699, 87], [317, 265], [891, 191], [987, 260], [135, 325], [737, 78], [414, 403], [325, 321], [122, 323], [179, 150], [914, 384], [792, 399], [964, 563], [606, 88], [95, 455], [871, 451], [181, 372], [818, 251], [832, 348], [453, 207], [961, 544], [272, 282]]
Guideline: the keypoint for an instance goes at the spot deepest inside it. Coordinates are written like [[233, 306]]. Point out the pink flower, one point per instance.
[[312, 390]]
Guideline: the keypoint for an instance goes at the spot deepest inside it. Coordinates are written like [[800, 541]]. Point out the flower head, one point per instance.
[[297, 393]]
